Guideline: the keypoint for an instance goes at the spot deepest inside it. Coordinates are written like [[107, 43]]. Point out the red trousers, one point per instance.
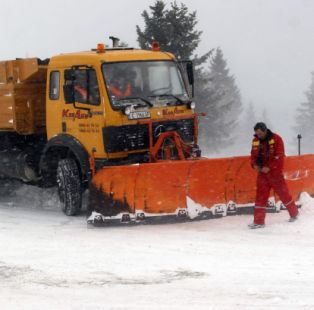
[[266, 182]]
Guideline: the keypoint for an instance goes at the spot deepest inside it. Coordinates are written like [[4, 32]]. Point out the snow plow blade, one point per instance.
[[186, 189]]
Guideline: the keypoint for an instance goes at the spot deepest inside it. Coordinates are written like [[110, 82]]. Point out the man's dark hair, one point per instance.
[[260, 125]]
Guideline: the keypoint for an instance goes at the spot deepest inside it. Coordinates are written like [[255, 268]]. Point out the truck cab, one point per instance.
[[104, 100]]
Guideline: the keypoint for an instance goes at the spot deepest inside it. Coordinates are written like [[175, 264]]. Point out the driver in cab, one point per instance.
[[120, 87]]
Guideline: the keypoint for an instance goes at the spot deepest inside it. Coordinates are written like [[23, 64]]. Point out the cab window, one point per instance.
[[54, 89], [85, 86]]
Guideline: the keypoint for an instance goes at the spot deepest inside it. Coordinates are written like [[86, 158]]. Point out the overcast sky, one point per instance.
[[269, 44]]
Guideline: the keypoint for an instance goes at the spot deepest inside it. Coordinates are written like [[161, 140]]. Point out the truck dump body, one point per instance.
[[22, 96]]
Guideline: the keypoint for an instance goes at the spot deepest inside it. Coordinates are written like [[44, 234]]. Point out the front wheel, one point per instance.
[[69, 186]]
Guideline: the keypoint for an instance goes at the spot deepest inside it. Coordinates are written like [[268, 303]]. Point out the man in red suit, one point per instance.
[[267, 158]]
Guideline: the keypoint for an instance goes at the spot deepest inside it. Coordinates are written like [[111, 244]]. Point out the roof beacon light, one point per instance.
[[155, 46], [100, 48]]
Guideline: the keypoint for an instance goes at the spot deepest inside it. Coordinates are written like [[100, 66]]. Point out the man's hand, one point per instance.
[[257, 168], [265, 170]]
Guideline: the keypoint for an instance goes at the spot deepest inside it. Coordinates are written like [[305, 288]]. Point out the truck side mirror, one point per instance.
[[68, 91], [188, 69], [190, 72]]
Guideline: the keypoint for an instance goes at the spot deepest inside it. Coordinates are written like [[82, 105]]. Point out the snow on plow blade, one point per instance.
[[187, 188]]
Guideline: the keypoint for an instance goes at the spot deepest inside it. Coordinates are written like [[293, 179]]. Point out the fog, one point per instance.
[[268, 43]]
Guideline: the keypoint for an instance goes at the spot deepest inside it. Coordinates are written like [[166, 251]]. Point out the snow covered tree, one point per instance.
[[304, 120], [173, 28], [222, 103]]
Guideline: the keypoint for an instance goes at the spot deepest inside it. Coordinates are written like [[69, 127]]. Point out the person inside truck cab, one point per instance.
[[120, 86], [86, 88], [80, 86]]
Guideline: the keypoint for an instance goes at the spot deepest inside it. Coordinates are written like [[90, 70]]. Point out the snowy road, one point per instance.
[[51, 261]]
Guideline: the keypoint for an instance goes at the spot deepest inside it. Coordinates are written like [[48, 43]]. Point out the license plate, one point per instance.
[[139, 115]]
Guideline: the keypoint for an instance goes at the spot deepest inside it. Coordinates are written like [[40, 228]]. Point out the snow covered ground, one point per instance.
[[50, 261]]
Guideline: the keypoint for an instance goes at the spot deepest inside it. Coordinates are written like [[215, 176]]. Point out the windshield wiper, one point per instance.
[[173, 96], [136, 98]]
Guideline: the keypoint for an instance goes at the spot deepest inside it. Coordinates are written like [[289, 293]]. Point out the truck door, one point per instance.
[[83, 111]]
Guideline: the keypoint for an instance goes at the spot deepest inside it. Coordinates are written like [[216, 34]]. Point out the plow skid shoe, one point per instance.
[[186, 190]]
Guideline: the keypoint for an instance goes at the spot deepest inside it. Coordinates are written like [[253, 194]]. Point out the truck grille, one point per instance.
[[184, 127], [136, 137], [126, 138]]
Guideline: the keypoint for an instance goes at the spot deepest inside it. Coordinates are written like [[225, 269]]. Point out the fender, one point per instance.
[[67, 142]]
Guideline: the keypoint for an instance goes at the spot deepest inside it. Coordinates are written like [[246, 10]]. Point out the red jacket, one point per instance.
[[269, 152]]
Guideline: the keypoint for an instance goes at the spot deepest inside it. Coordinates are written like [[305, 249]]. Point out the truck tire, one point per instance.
[[69, 186]]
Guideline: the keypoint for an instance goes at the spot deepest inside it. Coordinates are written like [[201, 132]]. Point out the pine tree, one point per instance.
[[222, 105], [304, 120], [155, 27], [173, 28]]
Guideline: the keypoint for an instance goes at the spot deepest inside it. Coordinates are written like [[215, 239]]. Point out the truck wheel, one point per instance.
[[69, 186]]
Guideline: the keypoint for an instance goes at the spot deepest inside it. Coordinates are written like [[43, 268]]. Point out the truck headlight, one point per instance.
[[127, 110], [192, 105]]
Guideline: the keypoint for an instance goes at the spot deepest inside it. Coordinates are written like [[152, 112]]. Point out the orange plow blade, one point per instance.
[[187, 188]]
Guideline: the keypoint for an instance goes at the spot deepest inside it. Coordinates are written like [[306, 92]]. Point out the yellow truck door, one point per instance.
[[80, 113]]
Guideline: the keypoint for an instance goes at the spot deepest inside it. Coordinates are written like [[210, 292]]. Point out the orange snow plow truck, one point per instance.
[[121, 122]]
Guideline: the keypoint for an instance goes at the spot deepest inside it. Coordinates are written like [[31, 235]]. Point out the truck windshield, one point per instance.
[[150, 83]]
